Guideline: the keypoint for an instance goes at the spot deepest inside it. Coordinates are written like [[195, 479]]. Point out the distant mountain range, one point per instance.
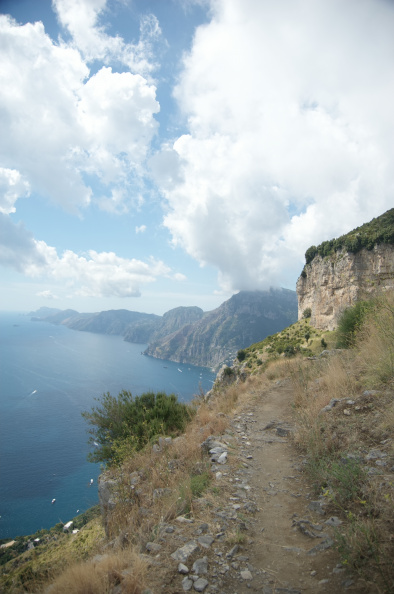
[[188, 334]]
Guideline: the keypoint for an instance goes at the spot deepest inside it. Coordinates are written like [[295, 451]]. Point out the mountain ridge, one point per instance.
[[188, 334]]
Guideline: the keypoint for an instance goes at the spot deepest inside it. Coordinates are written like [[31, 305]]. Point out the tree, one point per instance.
[[123, 424]]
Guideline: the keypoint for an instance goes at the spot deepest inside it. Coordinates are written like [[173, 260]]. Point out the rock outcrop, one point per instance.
[[328, 285]]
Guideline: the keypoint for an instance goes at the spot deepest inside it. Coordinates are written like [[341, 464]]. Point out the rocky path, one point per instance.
[[282, 537], [288, 548]]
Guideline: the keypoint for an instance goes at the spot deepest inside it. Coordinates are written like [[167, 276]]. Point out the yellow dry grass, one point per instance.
[[101, 574]]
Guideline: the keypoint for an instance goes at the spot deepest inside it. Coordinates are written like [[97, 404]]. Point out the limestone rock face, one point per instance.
[[329, 285]]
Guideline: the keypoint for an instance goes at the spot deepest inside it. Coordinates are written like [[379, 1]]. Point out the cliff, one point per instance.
[[330, 284], [245, 318]]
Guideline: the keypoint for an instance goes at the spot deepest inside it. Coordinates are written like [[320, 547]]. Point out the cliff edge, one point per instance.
[[342, 271]]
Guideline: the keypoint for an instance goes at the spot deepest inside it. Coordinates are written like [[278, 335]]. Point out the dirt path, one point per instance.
[[284, 554], [263, 532]]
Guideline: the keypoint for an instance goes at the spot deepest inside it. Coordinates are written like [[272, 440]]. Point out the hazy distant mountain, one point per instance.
[[187, 334], [44, 312], [116, 321], [245, 318]]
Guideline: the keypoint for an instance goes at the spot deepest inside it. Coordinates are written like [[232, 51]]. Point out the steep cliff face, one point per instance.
[[245, 318], [330, 284]]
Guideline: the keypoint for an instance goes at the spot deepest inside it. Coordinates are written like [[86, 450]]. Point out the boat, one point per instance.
[[91, 481], [180, 370], [53, 501]]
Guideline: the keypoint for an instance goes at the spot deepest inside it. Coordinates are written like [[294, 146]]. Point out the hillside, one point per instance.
[[170, 322], [282, 482], [187, 334], [245, 318]]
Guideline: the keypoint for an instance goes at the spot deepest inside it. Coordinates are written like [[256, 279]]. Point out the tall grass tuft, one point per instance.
[[375, 342]]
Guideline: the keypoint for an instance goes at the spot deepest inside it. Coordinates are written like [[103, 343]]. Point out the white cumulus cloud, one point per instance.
[[82, 19], [95, 274], [62, 127], [290, 137], [12, 187]]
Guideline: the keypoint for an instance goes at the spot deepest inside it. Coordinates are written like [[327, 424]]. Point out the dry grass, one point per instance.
[[103, 573], [366, 502], [376, 343]]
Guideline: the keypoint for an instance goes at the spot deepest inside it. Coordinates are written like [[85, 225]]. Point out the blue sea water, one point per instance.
[[48, 375]]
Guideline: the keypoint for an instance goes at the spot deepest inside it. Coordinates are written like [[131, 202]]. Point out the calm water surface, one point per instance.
[[48, 375]]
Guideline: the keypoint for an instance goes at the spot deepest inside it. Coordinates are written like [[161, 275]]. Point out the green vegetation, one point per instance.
[[241, 355], [299, 338], [29, 563], [199, 483], [124, 424], [350, 322], [379, 230]]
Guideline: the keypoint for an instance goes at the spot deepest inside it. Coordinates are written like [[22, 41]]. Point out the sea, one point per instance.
[[49, 375]]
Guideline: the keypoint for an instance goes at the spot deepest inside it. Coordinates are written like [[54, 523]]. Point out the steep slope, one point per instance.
[[156, 329], [342, 271], [245, 318]]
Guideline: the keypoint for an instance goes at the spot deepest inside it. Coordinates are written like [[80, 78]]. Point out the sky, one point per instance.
[[158, 153]]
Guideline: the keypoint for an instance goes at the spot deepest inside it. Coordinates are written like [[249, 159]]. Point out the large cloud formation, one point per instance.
[[290, 137], [65, 131], [59, 124]]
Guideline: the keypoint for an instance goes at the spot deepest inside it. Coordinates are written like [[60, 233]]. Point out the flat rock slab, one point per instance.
[[200, 585], [206, 540], [200, 566], [184, 552]]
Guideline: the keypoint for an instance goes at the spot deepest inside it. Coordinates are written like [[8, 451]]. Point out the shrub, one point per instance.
[[241, 355], [289, 351], [307, 313], [350, 323], [323, 343], [228, 371], [123, 424]]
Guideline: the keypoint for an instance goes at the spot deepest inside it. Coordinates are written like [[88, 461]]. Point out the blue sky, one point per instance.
[[156, 153]]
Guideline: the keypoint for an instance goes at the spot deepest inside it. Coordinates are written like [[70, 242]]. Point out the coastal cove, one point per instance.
[[49, 374]]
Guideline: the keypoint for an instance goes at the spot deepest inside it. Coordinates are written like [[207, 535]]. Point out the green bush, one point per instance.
[[241, 355], [289, 351], [307, 313], [350, 322], [228, 371], [123, 424]]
